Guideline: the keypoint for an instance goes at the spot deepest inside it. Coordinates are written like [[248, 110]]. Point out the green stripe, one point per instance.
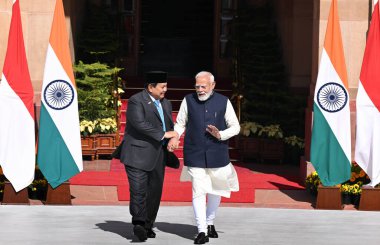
[[327, 155], [53, 157]]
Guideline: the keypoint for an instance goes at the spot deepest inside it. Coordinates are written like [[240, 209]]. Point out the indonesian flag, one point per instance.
[[59, 146], [331, 134], [17, 136], [367, 153]]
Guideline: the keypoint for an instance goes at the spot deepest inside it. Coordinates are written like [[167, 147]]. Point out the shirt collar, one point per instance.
[[152, 98]]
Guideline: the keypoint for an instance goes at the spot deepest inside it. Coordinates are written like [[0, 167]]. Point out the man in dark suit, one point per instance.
[[149, 125]]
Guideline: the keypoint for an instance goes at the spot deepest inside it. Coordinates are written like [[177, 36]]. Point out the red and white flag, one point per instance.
[[17, 137], [367, 154]]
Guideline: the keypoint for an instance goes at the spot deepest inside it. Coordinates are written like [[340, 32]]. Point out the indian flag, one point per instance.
[[331, 134], [367, 153], [17, 135], [59, 146]]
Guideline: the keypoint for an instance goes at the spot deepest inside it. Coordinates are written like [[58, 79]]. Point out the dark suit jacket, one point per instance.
[[142, 147]]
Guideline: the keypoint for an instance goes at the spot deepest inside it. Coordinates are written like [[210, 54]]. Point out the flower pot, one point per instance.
[[249, 148], [32, 194], [346, 198], [355, 200], [312, 189], [105, 144], [370, 199], [292, 154], [88, 146], [271, 149]]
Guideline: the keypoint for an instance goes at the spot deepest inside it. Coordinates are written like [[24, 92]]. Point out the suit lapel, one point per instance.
[[167, 112], [165, 108], [151, 104]]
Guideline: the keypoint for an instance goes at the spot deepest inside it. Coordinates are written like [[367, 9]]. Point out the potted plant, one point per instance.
[[38, 189], [261, 142], [345, 189], [105, 129], [312, 182], [87, 138], [97, 77], [351, 189], [351, 193], [86, 128], [261, 85], [272, 145], [356, 191], [96, 90], [355, 183], [250, 128], [98, 137], [98, 105], [105, 126]]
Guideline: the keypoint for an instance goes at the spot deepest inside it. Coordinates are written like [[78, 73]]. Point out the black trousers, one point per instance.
[[145, 189]]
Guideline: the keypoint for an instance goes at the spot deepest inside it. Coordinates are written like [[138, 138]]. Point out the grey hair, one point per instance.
[[205, 73]]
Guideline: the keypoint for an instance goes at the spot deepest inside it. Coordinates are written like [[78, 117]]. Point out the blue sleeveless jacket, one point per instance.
[[201, 149]]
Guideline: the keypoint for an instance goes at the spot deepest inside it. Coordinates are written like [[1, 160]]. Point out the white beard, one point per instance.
[[205, 97]]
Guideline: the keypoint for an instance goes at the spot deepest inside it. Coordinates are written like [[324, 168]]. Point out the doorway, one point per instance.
[[176, 36]]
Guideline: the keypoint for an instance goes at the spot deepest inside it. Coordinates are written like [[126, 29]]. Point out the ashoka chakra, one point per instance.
[[332, 97], [59, 94]]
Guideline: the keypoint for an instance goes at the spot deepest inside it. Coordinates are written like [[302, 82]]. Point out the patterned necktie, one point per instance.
[[161, 112]]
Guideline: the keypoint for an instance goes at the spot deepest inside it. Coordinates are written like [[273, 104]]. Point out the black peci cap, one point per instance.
[[156, 77]]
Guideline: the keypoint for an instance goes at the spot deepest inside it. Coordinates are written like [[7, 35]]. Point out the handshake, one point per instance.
[[174, 140]]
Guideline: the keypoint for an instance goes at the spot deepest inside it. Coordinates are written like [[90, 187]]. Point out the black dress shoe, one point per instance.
[[150, 233], [140, 232], [201, 238], [211, 232]]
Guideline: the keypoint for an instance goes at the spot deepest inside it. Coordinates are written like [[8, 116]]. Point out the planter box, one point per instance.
[[329, 197], [292, 154], [100, 144], [261, 149], [271, 149], [88, 146], [60, 195], [370, 199], [249, 148], [105, 144], [10, 196]]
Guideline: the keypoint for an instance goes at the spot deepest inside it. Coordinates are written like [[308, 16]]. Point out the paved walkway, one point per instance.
[[175, 225], [277, 217]]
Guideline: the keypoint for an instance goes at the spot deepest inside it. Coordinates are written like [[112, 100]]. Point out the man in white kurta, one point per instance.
[[206, 158]]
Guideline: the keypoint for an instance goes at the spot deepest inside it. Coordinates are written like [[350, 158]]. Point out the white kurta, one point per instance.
[[217, 181]]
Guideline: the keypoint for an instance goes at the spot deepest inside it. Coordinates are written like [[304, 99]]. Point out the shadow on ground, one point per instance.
[[125, 229], [182, 230]]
